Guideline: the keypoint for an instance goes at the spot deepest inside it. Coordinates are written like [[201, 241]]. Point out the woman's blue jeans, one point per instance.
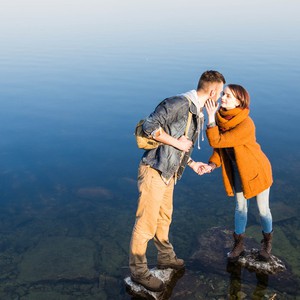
[[242, 205]]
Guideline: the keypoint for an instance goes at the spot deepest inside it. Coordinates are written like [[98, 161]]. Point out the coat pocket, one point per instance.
[[255, 184]]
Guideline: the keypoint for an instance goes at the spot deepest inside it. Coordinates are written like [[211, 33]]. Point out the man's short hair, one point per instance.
[[209, 77]]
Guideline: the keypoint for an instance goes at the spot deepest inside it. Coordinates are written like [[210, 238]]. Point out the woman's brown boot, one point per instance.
[[238, 247], [266, 246]]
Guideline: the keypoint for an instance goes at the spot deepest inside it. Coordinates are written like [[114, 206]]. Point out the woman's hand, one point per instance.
[[211, 109]]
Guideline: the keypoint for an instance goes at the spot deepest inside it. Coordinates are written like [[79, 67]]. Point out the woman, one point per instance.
[[245, 168]]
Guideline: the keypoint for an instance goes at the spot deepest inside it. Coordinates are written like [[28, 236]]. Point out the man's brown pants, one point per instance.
[[153, 219]]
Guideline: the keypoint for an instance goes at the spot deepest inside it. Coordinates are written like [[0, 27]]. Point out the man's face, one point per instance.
[[218, 91]]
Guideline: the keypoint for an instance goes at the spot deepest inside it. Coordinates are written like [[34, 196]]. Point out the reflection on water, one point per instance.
[[236, 288], [74, 82]]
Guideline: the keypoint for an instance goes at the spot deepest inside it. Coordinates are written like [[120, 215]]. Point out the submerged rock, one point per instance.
[[209, 275], [215, 244], [59, 258], [211, 259], [168, 276]]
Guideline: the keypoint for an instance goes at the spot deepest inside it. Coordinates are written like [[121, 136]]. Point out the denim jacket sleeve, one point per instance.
[[171, 114], [166, 115]]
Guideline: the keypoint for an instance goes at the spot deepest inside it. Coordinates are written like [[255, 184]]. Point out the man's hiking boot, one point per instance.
[[266, 246], [238, 247], [173, 263], [149, 282]]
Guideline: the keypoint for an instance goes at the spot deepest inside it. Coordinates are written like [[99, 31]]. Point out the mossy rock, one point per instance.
[[36, 295], [59, 258]]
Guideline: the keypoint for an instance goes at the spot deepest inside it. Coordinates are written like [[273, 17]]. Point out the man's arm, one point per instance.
[[183, 143], [167, 112]]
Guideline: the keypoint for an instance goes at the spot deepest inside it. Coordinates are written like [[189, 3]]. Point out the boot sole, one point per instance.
[[160, 289], [234, 259]]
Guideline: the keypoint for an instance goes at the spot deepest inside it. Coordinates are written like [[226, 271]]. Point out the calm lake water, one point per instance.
[[76, 76]]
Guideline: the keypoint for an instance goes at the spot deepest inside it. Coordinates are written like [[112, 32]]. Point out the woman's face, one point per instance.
[[228, 101]]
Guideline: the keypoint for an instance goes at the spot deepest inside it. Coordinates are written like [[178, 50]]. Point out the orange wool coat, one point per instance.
[[253, 165]]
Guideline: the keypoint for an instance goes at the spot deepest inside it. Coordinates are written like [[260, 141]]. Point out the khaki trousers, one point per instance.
[[153, 219]]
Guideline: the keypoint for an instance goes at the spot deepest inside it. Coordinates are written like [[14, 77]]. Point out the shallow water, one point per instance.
[[75, 78]]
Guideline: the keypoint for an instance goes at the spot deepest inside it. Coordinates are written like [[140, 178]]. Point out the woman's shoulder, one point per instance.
[[248, 121], [246, 126]]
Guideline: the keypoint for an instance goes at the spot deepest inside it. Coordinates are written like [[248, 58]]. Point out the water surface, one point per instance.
[[75, 79]]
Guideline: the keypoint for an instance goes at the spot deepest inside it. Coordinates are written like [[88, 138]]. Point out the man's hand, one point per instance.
[[184, 144]]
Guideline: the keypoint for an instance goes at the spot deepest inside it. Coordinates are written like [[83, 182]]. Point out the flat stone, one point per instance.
[[168, 276], [215, 244], [251, 262], [211, 258]]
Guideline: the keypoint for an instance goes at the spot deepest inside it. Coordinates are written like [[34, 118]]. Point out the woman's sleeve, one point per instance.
[[215, 158], [239, 135]]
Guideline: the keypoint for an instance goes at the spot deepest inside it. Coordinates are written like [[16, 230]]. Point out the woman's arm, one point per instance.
[[239, 135], [242, 134]]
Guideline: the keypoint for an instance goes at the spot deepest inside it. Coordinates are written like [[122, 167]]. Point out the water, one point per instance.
[[75, 78]]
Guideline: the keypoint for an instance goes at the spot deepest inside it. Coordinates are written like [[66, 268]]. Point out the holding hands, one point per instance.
[[201, 168], [185, 144]]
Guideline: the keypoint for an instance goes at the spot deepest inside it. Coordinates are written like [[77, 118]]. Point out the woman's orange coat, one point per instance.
[[253, 165]]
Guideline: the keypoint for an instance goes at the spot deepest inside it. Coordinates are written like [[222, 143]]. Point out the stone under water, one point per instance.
[[211, 256], [209, 275], [215, 244], [168, 276]]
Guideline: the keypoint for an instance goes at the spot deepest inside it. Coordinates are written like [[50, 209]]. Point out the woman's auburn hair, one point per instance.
[[241, 94]]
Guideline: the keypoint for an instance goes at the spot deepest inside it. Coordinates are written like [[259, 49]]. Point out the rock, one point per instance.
[[211, 258], [212, 249], [59, 258], [215, 244], [282, 212], [37, 295], [168, 276], [251, 262]]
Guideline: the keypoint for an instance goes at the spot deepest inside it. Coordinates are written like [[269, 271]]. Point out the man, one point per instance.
[[159, 170]]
